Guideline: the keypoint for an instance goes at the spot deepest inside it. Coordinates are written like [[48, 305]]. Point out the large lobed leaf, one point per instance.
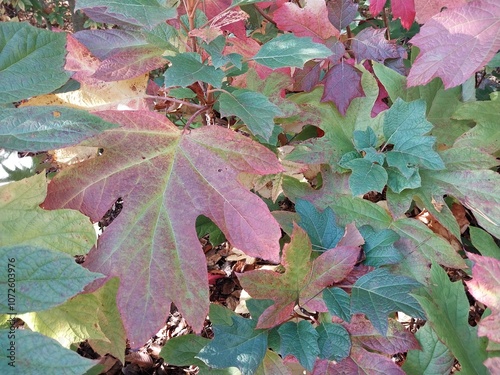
[[302, 280], [471, 31], [152, 246]]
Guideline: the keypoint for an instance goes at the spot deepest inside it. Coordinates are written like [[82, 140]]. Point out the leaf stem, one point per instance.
[[192, 118], [264, 14], [179, 101], [386, 23]]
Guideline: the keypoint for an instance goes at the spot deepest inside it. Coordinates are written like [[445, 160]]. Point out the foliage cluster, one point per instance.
[[200, 117]]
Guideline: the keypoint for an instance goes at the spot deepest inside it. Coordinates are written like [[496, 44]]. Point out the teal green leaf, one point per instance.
[[145, 13], [187, 68], [379, 293], [237, 344], [300, 340], [43, 278], [253, 108], [181, 93], [484, 242], [74, 321], [379, 246], [36, 354], [362, 212], [405, 127], [215, 49], [289, 50], [26, 52], [371, 154], [334, 341], [431, 245], [398, 182], [338, 303], [433, 358], [272, 365], [42, 128], [364, 138], [321, 227], [245, 2], [366, 176], [23, 222], [447, 309]]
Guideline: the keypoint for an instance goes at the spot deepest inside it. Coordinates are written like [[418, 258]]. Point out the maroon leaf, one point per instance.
[[484, 287], [471, 31], [404, 9], [130, 63], [305, 79], [341, 12], [311, 20], [302, 280], [152, 245], [370, 44], [342, 85]]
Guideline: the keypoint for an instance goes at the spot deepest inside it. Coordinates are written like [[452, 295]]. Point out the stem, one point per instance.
[[386, 23], [179, 101], [264, 14], [191, 119]]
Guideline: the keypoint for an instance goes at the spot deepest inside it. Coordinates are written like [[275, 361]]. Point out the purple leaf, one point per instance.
[[341, 12]]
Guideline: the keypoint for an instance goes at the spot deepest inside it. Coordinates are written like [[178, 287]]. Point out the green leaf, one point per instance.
[[366, 176], [433, 358], [404, 127], [321, 227], [301, 341], [42, 128], [182, 350], [272, 365], [187, 68], [31, 61], [245, 2], [379, 246], [43, 278], [23, 222], [34, 354], [362, 212], [447, 310], [289, 50], [145, 13], [398, 182], [338, 303], [253, 108], [484, 242], [205, 226], [237, 344], [334, 341], [110, 322], [379, 293], [215, 49], [486, 134], [74, 321], [432, 246]]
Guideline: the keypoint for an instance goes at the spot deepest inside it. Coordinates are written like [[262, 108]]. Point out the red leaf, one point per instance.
[[302, 279], [311, 20], [166, 180], [342, 85], [341, 12], [213, 8], [370, 44], [376, 6], [404, 9], [484, 287], [305, 79], [456, 43], [425, 9]]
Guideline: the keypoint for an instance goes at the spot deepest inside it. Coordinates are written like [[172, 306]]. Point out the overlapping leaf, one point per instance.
[[152, 246], [484, 287], [300, 340], [25, 51], [341, 12], [308, 21], [447, 309], [36, 354], [302, 279], [470, 30]]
